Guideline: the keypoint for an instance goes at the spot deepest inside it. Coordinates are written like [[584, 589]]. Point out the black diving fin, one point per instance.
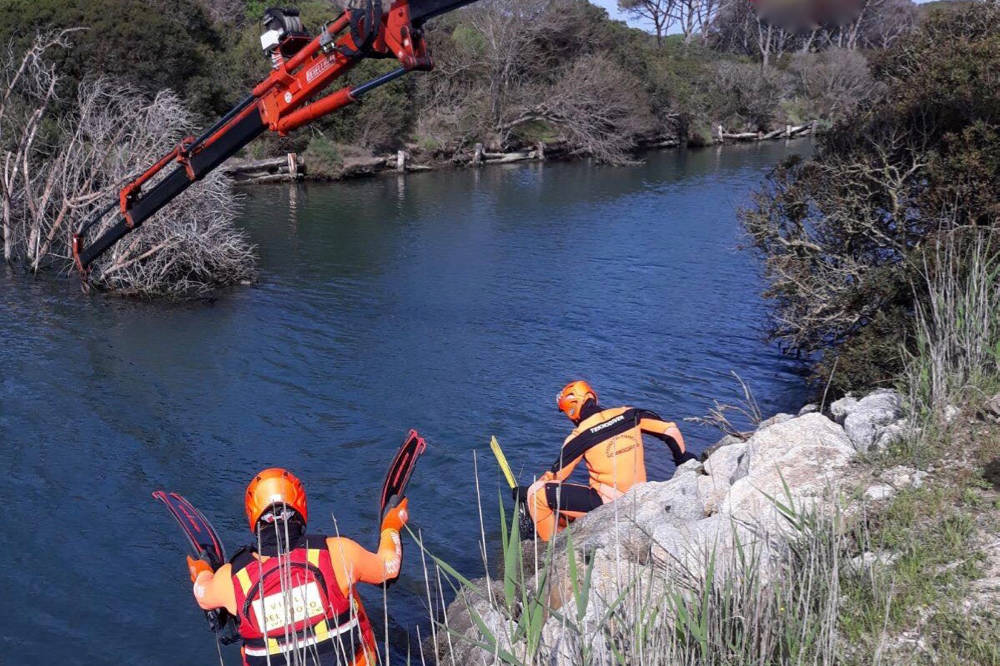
[[204, 542], [394, 488]]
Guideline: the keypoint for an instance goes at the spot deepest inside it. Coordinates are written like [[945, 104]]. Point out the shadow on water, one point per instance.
[[456, 302]]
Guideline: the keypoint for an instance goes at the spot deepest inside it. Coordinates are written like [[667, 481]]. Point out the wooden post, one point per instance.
[[401, 161], [477, 157], [293, 166], [722, 134], [541, 151], [788, 131]]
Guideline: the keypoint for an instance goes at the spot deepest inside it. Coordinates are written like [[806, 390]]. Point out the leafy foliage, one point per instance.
[[846, 234]]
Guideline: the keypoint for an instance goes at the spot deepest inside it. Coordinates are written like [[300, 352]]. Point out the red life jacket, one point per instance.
[[308, 614]]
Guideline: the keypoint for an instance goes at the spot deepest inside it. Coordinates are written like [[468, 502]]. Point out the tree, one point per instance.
[[63, 161], [151, 45], [600, 108], [832, 83], [737, 27], [845, 235], [695, 17], [888, 21], [661, 13]]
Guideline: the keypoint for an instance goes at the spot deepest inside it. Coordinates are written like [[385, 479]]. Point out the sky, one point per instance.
[[612, 7]]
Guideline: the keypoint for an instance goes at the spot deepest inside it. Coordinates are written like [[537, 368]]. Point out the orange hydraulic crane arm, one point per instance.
[[302, 68]]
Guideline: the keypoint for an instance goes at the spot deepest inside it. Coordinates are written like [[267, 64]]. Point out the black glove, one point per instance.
[[684, 457], [519, 493]]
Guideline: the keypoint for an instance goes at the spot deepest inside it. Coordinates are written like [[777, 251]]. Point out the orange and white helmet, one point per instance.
[[274, 486], [572, 398]]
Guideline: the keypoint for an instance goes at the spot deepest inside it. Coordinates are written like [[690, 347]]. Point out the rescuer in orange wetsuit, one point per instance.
[[294, 594], [610, 442]]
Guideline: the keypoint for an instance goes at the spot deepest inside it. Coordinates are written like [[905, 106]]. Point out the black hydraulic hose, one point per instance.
[[359, 91]]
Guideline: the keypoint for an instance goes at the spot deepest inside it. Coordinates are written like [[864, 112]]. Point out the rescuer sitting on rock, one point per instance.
[[610, 441]]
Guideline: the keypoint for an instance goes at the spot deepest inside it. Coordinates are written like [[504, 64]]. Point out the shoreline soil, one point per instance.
[[358, 163]]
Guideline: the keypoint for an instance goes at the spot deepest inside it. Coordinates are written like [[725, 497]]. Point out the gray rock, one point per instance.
[[991, 408], [869, 560], [841, 408], [462, 648], [893, 434], [804, 453], [900, 477], [774, 420], [723, 468], [809, 409], [951, 412], [879, 492], [868, 417], [626, 522], [727, 464], [728, 440]]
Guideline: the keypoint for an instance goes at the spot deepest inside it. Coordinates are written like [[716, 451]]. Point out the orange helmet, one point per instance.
[[274, 486], [572, 398]]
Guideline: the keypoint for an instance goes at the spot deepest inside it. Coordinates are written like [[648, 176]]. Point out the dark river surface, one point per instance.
[[455, 302]]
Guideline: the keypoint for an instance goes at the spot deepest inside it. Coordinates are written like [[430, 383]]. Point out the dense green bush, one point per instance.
[[505, 69], [149, 44], [847, 234]]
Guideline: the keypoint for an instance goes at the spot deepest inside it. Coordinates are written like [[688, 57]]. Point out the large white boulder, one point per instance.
[[795, 463]]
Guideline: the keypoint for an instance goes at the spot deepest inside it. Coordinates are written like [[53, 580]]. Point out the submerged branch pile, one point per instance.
[[64, 161]]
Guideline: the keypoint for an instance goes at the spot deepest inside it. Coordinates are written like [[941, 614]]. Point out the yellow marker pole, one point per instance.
[[502, 461]]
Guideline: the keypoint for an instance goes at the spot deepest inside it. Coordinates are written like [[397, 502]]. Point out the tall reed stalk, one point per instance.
[[957, 321]]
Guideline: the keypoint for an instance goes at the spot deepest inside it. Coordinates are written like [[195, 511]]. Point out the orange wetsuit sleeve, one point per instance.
[[215, 590], [668, 432], [353, 564], [657, 426]]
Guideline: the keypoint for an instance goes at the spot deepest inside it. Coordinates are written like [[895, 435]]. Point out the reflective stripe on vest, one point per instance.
[[322, 632]]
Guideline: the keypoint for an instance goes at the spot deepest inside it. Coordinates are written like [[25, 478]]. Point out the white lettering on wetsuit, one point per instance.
[[607, 424]]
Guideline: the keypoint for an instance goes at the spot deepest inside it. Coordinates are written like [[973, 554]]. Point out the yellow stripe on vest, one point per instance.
[[244, 579], [313, 555], [322, 631]]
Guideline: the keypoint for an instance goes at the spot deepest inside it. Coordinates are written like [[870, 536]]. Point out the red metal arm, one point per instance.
[[284, 101]]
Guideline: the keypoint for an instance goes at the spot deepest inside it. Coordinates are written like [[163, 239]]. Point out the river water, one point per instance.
[[455, 302]]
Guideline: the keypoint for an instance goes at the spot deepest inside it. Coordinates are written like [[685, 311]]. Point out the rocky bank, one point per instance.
[[732, 498]]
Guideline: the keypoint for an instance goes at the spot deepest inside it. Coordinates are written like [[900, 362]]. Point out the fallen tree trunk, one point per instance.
[[287, 168]]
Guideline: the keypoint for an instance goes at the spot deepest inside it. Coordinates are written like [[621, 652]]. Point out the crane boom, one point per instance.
[[302, 68]]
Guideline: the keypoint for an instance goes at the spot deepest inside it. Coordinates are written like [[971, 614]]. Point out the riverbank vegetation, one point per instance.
[[905, 179], [557, 77], [509, 73], [67, 158]]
